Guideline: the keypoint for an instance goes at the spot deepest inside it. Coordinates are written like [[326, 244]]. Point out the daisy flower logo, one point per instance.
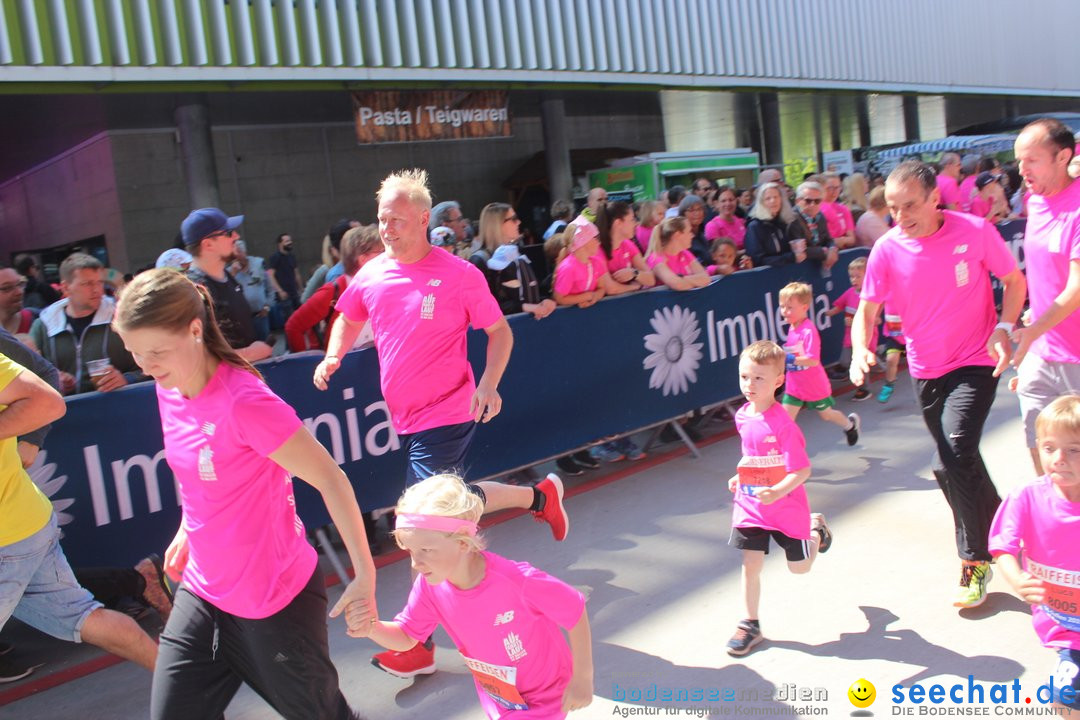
[[674, 356], [41, 472]]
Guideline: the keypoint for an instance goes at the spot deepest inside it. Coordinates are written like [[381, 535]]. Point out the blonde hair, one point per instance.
[[414, 183], [765, 352], [858, 263], [854, 192], [645, 212], [1062, 415], [664, 230], [877, 198], [492, 218], [444, 495], [797, 291]]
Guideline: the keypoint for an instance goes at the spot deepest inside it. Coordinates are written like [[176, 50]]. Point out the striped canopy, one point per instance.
[[955, 143]]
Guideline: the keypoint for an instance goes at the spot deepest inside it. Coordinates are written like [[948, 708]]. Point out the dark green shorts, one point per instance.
[[823, 404]]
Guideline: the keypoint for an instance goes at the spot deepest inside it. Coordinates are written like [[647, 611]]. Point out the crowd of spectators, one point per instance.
[[682, 240]]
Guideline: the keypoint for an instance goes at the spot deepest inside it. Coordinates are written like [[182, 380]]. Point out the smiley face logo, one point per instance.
[[862, 693]]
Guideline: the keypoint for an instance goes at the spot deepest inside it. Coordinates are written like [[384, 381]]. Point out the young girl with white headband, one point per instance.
[[503, 616]]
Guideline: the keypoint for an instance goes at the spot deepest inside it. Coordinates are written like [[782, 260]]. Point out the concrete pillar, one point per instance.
[[911, 118], [834, 123], [769, 117], [747, 122], [815, 111], [556, 147], [197, 153], [862, 118]]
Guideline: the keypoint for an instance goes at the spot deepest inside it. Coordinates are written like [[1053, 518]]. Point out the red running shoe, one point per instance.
[[554, 514], [420, 660]]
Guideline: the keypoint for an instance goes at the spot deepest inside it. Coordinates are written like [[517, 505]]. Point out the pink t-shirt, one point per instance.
[[950, 191], [1051, 246], [420, 313], [248, 553], [838, 217], [573, 276], [718, 227], [849, 301], [806, 383], [868, 228], [980, 206], [507, 625], [623, 256], [679, 263], [967, 193], [1046, 527], [772, 447], [940, 285], [643, 235]]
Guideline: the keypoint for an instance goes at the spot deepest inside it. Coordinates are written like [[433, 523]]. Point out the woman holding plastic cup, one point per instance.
[[767, 239]]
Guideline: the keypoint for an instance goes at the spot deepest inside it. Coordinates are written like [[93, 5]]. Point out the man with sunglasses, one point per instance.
[[210, 236], [13, 316]]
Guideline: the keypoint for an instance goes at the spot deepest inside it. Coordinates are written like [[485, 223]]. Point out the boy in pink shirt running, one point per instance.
[[1034, 538], [506, 618], [770, 497], [807, 384], [848, 303]]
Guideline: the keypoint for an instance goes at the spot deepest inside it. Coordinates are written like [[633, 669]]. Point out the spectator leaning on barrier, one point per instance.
[[837, 214], [693, 209], [250, 272], [509, 273], [726, 224], [649, 215], [675, 195], [13, 316], [74, 334], [210, 236], [989, 201], [670, 257], [309, 327], [581, 278], [726, 258], [616, 227], [854, 196], [948, 181], [875, 222], [810, 225], [767, 239]]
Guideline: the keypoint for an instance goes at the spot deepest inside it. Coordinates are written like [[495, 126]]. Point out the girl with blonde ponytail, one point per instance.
[[251, 592]]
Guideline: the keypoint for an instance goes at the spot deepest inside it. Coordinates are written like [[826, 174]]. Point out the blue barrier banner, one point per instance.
[[577, 376]]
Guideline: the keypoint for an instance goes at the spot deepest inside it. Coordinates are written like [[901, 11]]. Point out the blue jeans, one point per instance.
[[38, 587]]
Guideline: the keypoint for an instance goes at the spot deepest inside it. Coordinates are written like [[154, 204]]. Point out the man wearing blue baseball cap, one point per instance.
[[210, 236]]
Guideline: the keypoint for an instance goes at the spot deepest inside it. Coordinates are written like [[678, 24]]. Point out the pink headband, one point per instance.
[[434, 522]]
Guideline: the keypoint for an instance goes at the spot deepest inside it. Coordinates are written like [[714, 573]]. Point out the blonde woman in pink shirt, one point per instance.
[[582, 277], [650, 214], [670, 257], [251, 605]]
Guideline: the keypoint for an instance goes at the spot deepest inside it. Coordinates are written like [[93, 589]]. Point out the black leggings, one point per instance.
[[205, 654]]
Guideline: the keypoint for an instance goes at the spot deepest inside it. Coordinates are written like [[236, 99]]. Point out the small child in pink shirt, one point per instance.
[[506, 618], [807, 384], [1034, 538], [848, 303], [770, 496]]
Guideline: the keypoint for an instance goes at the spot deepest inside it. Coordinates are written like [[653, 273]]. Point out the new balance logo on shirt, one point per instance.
[[434, 282], [503, 618]]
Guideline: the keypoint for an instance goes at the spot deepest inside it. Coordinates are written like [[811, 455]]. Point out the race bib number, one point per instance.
[[760, 471], [893, 328], [1062, 601], [499, 682]]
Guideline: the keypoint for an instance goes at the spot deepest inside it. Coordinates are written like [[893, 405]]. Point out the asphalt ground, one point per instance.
[[648, 546]]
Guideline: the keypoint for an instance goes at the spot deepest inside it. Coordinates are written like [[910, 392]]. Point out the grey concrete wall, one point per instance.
[[300, 179], [72, 197]]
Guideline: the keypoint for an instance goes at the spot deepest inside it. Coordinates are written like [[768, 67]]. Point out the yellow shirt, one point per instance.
[[23, 508]]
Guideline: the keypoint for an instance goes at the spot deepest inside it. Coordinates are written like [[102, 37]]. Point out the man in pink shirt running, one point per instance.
[[421, 301], [933, 269], [1048, 351]]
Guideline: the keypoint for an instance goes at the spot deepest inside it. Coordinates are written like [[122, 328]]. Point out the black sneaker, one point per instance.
[[5, 648], [837, 372], [822, 529], [567, 466], [10, 672], [746, 636], [852, 432], [585, 460], [861, 393]]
